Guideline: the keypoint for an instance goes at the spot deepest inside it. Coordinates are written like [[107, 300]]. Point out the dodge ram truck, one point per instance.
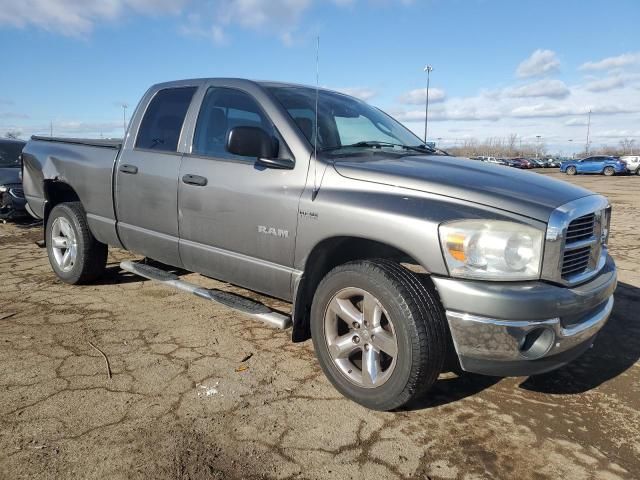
[[394, 256]]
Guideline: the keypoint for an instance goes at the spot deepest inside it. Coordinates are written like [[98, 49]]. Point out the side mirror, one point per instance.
[[251, 142]]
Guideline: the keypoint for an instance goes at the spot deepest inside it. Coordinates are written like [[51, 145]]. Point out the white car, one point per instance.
[[633, 163]]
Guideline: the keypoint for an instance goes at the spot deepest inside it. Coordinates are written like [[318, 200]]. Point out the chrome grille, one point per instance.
[[575, 261], [581, 228], [576, 238]]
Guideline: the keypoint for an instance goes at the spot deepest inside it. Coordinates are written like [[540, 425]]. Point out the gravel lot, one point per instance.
[[182, 403]]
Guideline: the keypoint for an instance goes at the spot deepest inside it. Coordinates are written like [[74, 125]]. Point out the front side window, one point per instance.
[[223, 109], [343, 122], [162, 123]]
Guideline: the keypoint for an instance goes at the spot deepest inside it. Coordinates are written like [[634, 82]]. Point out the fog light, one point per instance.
[[537, 343]]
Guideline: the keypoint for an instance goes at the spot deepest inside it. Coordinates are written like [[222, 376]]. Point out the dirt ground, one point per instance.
[[199, 391]]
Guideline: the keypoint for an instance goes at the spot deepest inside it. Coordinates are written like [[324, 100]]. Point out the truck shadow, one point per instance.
[[449, 390], [616, 349]]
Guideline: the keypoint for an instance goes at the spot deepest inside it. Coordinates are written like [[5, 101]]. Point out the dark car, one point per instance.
[[522, 163], [601, 164], [12, 202]]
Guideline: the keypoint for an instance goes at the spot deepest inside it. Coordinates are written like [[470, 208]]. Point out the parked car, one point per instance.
[[393, 256], [550, 163], [12, 202], [602, 164], [536, 162], [633, 163], [521, 163]]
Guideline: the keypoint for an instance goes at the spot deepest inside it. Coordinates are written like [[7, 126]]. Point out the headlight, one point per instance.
[[3, 189], [492, 249]]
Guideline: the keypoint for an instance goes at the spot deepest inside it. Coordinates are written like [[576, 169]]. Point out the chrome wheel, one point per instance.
[[64, 245], [360, 337]]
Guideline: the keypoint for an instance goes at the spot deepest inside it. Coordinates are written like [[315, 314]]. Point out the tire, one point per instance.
[[571, 170], [415, 319], [609, 171], [86, 262], [638, 171]]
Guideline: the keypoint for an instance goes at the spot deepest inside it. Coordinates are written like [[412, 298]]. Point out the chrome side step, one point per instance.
[[256, 310]]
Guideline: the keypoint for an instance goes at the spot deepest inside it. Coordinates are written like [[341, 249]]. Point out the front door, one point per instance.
[[237, 219], [147, 179]]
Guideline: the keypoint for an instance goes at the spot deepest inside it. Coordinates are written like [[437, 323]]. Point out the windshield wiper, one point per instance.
[[379, 144]]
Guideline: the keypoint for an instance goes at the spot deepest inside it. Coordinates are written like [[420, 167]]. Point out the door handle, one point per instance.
[[196, 180], [132, 169]]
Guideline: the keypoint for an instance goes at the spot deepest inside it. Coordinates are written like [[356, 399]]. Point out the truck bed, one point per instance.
[[83, 165]]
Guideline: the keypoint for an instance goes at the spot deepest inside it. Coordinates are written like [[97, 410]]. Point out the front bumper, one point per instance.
[[524, 328]]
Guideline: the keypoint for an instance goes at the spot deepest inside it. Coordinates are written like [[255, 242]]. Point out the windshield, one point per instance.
[[343, 121], [9, 153]]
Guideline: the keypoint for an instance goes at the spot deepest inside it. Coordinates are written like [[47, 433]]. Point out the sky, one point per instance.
[[499, 67]]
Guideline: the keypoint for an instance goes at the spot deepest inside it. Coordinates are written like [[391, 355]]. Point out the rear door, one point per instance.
[[238, 219], [147, 178]]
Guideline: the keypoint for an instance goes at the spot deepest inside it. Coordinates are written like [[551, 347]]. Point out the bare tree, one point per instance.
[[12, 134], [627, 145]]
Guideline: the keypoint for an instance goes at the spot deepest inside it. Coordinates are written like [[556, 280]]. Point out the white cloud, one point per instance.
[[541, 88], [419, 96], [609, 63], [77, 17], [363, 93], [605, 84], [541, 62]]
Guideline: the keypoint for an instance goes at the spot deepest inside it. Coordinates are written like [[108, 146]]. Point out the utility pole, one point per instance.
[[588, 132], [538, 145], [51, 128], [427, 69]]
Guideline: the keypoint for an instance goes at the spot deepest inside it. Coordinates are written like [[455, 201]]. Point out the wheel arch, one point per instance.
[[328, 254], [56, 192]]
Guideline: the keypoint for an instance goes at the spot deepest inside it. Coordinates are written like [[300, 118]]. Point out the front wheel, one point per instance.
[[609, 171], [74, 254], [379, 333], [571, 170]]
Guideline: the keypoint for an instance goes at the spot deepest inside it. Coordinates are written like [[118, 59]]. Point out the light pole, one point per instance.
[[427, 69], [124, 119], [588, 131], [538, 137]]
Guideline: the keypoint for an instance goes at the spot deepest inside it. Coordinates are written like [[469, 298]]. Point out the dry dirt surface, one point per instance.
[[199, 391]]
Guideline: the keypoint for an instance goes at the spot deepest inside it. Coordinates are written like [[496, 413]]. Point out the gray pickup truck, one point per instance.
[[396, 257]]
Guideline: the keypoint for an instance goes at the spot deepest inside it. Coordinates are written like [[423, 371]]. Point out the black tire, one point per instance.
[[638, 171], [91, 257], [419, 324], [571, 170], [608, 171]]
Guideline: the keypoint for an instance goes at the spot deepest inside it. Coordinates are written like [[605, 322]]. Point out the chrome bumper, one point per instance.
[[524, 328], [493, 339]]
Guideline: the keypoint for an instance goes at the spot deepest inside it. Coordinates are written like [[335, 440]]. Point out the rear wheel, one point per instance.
[[609, 171], [638, 171], [379, 333], [74, 254], [571, 170]]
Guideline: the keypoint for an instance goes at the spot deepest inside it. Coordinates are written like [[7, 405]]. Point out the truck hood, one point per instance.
[[9, 175], [524, 193]]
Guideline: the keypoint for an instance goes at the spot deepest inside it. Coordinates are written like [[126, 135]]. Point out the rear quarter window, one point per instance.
[[162, 122]]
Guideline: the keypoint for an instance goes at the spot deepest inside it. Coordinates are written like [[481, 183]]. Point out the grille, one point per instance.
[[581, 228], [575, 261], [577, 258]]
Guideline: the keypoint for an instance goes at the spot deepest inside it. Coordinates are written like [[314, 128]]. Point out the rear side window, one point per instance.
[[223, 109], [162, 122]]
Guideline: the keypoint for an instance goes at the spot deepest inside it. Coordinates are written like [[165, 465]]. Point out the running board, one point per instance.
[[256, 310]]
